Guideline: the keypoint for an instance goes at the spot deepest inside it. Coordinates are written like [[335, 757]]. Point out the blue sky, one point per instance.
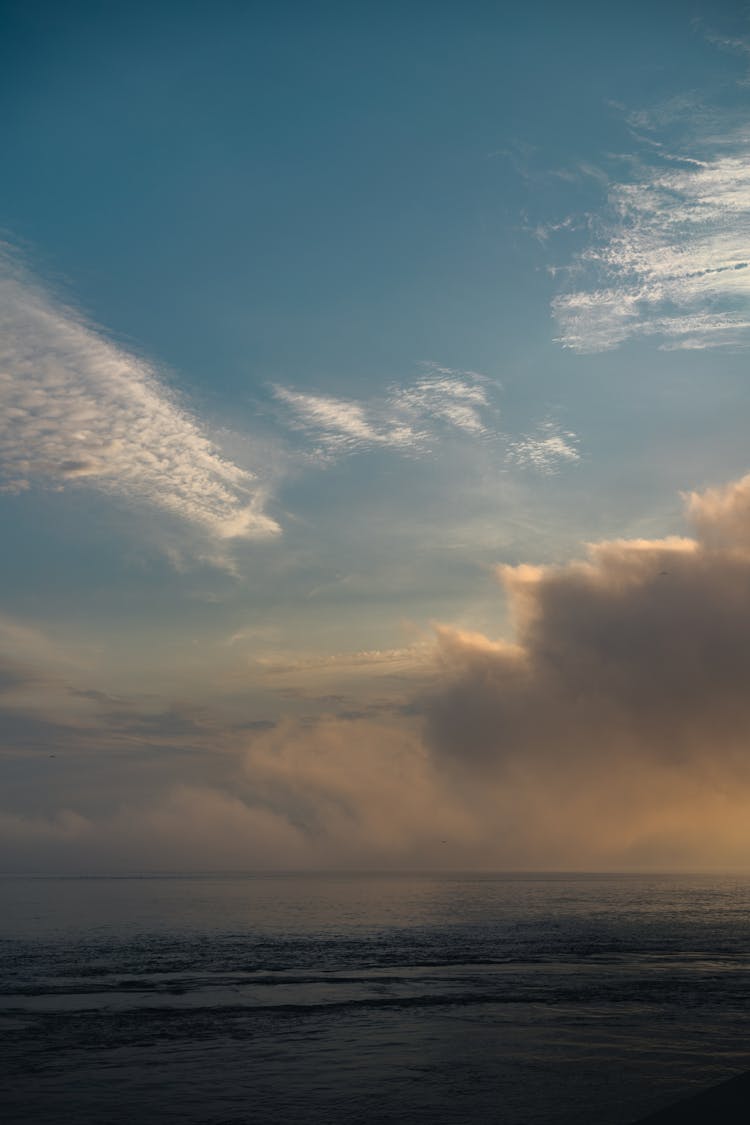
[[313, 315]]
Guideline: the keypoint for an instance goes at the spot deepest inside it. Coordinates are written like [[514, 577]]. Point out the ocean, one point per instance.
[[267, 999]]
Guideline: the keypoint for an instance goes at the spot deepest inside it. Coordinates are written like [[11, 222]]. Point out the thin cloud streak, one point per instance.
[[78, 409]]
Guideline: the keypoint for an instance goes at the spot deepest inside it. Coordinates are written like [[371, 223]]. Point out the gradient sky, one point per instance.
[[373, 435]]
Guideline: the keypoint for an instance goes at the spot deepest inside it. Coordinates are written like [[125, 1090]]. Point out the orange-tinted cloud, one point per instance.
[[615, 730], [611, 732]]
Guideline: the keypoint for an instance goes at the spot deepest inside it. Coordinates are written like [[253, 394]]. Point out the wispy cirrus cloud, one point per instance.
[[546, 449], [342, 426], [412, 418], [671, 258], [458, 398], [405, 418], [78, 409]]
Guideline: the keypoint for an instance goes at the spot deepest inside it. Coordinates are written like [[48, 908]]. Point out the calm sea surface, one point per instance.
[[246, 1000]]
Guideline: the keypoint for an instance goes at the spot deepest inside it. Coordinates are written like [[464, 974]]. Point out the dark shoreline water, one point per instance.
[[533, 998], [728, 1103]]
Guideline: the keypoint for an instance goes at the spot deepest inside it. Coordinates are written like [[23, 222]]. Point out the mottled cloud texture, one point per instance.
[[76, 408], [671, 258]]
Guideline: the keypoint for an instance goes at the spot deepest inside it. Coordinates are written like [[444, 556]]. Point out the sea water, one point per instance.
[[254, 999]]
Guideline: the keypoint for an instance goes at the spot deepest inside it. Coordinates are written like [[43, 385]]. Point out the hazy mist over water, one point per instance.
[[543, 998]]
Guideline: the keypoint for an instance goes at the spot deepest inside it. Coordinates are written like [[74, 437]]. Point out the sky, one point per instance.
[[373, 435]]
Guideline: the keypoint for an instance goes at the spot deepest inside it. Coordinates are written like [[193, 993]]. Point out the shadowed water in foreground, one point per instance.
[[547, 999], [728, 1103]]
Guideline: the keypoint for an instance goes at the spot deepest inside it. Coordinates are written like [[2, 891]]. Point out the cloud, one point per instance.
[[613, 729], [77, 409], [458, 398], [14, 674], [369, 660], [359, 789], [722, 515], [671, 258], [412, 419], [610, 731], [189, 827], [405, 418], [546, 449], [340, 792], [341, 426]]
